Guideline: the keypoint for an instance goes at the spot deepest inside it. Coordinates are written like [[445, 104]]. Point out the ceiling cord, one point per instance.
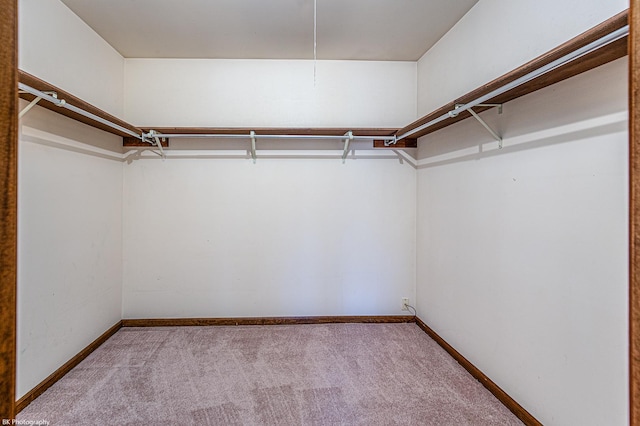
[[315, 38]]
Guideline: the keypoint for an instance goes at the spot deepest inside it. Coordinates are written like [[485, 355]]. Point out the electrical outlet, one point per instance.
[[405, 302]]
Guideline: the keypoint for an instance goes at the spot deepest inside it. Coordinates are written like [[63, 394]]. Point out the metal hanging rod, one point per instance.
[[61, 103], [595, 45], [248, 136]]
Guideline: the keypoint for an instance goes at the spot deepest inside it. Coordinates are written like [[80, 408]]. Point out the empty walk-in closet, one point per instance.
[[319, 212]]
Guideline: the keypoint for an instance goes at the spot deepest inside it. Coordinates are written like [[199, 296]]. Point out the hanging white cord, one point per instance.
[[315, 37]]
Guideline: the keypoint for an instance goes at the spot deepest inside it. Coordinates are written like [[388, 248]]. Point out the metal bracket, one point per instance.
[[35, 101], [154, 135], [28, 107], [253, 146], [492, 105], [480, 120], [389, 142], [347, 142]]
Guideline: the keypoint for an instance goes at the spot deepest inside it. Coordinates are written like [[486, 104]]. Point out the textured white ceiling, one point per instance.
[[391, 30]]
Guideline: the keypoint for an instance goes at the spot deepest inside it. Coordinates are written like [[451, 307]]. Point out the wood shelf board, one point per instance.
[[330, 131], [135, 142]]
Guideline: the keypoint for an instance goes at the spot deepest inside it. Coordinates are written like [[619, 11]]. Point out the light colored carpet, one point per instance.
[[329, 374]]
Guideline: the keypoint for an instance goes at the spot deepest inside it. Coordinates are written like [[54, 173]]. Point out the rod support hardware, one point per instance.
[[28, 107], [252, 135], [147, 137], [389, 142], [35, 101], [492, 105], [486, 126], [454, 113], [155, 140], [61, 102], [347, 141]]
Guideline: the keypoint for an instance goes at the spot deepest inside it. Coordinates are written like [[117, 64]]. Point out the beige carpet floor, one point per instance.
[[330, 374]]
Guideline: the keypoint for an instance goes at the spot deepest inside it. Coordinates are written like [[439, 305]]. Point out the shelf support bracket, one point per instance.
[[253, 146], [154, 135], [492, 105], [34, 102], [481, 121], [347, 142], [28, 107], [486, 126]]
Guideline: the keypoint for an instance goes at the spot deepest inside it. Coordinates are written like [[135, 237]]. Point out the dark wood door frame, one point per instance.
[[634, 213], [8, 204]]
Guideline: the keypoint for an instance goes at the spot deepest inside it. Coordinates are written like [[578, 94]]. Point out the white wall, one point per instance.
[[269, 93], [69, 241], [496, 36], [58, 47], [306, 235], [522, 252]]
